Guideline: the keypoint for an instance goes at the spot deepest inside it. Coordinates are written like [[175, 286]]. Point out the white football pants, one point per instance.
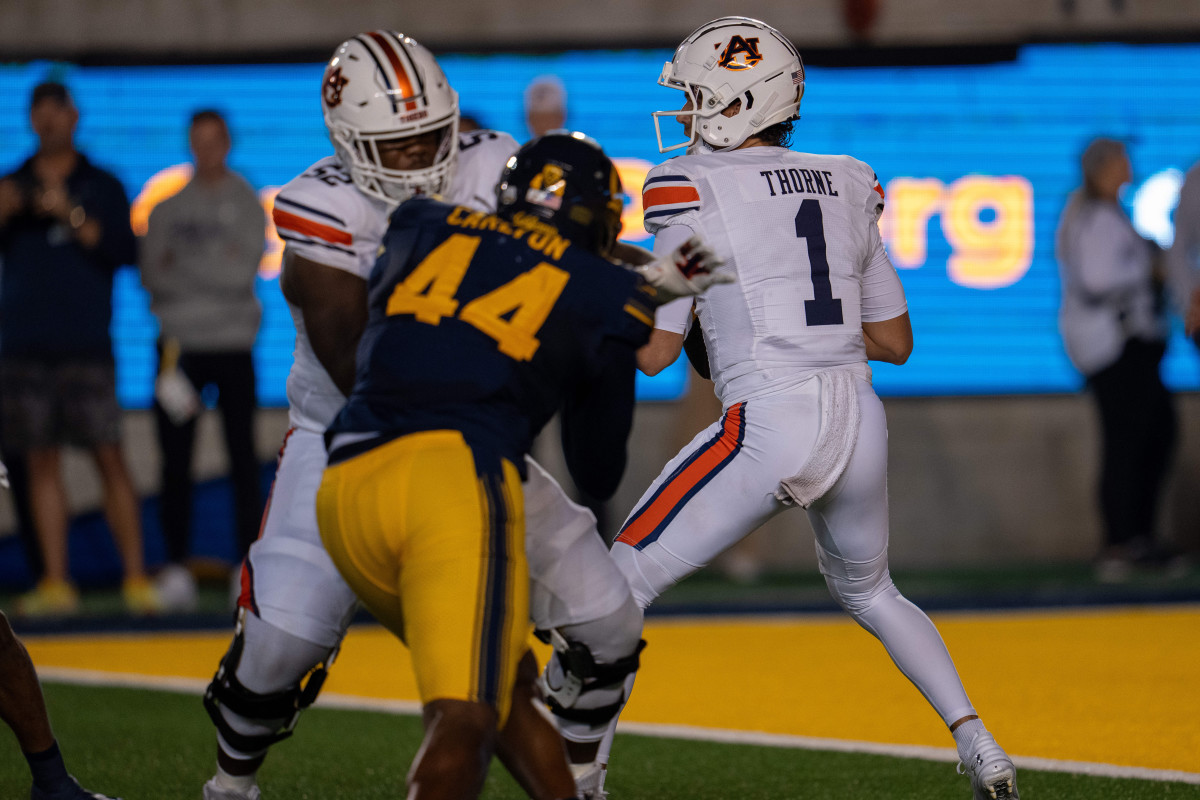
[[722, 486]]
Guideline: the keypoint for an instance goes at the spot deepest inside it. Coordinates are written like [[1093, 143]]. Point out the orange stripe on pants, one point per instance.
[[693, 473]]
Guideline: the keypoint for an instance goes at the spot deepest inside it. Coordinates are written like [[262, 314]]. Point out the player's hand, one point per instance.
[[687, 270], [3, 475], [54, 201]]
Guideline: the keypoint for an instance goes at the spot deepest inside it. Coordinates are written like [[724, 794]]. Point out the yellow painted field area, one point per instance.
[[1108, 686]]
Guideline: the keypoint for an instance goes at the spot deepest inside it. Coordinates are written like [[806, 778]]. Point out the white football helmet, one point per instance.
[[379, 87], [727, 60]]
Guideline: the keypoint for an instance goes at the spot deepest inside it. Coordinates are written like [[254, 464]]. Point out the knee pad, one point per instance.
[[584, 681], [855, 585], [298, 668]]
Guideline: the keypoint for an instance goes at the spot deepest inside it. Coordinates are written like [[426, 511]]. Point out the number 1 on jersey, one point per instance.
[[824, 308]]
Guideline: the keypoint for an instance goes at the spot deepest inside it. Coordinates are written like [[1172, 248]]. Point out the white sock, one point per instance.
[[964, 734]]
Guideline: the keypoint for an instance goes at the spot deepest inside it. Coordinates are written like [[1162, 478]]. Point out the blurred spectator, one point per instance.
[[545, 105], [199, 263], [64, 231], [1115, 330], [1184, 257]]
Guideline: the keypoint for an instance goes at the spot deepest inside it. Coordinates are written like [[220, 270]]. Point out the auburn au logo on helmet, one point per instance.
[[741, 53], [334, 83]]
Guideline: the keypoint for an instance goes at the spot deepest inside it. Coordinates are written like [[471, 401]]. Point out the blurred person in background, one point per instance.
[[64, 231], [1183, 259], [199, 263], [1114, 326], [545, 105]]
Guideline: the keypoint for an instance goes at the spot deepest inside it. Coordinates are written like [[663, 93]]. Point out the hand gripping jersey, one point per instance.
[[800, 231], [323, 217], [480, 328]]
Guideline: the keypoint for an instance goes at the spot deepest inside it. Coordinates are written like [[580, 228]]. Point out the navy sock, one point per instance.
[[49, 771]]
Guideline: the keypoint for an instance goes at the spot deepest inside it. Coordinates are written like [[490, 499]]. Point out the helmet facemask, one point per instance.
[[364, 154]]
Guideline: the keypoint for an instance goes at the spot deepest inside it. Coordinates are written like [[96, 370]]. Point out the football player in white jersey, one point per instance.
[[816, 297], [392, 117]]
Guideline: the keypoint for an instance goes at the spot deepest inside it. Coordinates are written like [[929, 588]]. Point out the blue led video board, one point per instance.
[[977, 161]]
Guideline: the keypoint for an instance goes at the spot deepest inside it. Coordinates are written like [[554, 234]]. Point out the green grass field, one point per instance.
[[148, 745]]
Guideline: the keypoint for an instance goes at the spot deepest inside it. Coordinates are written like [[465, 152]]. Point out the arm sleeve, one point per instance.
[[674, 315], [596, 419], [882, 293]]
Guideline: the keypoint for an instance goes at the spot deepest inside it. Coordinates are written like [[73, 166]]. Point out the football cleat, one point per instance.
[[214, 792], [176, 588], [993, 776], [73, 792], [589, 780]]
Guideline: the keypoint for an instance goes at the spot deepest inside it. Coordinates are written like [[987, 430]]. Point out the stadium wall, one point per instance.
[[163, 28], [1000, 480]]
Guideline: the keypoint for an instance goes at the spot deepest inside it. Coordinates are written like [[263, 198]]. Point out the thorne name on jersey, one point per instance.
[[322, 217], [797, 306]]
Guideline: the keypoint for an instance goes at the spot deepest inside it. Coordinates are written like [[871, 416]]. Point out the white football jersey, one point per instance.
[[322, 217], [801, 234]]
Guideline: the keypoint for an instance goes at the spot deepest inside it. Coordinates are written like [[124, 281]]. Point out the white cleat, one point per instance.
[[589, 780], [214, 792], [177, 592], [993, 776]]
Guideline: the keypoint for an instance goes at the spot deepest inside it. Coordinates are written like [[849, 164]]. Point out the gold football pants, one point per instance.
[[431, 539]]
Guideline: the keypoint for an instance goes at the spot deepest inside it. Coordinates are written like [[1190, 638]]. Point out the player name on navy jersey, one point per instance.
[[483, 325], [543, 239], [799, 181]]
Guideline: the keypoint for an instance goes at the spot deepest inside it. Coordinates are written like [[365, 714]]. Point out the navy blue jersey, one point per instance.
[[488, 329]]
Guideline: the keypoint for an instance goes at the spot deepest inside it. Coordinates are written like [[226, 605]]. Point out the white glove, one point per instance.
[[3, 475], [685, 271]]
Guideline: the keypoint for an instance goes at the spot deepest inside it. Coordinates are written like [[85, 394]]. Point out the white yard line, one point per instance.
[[85, 677]]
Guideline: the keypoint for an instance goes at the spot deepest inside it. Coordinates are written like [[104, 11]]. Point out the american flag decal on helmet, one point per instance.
[[798, 77]]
